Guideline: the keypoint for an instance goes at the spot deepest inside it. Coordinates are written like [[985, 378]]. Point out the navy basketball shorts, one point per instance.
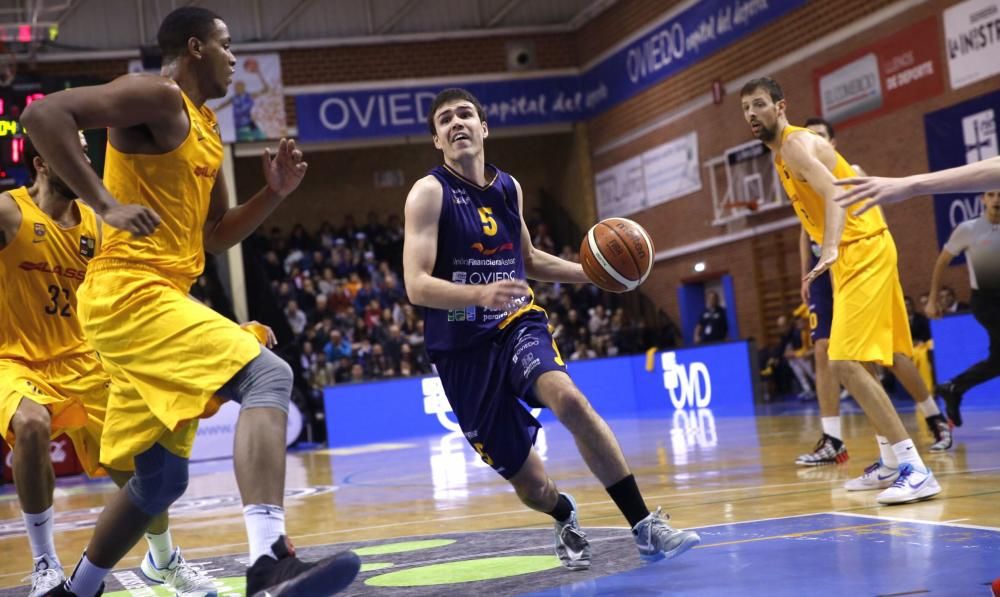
[[488, 386], [820, 307]]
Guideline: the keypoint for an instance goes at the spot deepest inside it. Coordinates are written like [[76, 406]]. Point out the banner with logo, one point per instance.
[[676, 44], [972, 37], [885, 76], [217, 433], [402, 110], [958, 135], [661, 174], [254, 109], [691, 385]]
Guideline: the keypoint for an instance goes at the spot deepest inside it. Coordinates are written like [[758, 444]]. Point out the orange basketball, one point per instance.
[[617, 254]]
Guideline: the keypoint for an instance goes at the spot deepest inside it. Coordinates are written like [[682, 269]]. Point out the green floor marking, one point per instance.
[[466, 571]]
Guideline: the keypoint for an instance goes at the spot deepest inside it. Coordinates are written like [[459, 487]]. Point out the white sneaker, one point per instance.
[[48, 574], [572, 546], [657, 540], [179, 576], [911, 485], [876, 476]]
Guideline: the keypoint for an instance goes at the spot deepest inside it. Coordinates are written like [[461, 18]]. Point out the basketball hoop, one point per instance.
[[8, 65]]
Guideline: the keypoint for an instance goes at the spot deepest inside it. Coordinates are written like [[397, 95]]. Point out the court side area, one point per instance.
[[427, 517]]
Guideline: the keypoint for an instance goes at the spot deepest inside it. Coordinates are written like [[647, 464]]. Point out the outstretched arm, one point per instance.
[[979, 177], [542, 266], [423, 208], [226, 227]]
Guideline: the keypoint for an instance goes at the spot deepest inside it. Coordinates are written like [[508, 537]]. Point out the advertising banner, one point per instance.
[[254, 109], [972, 37], [887, 75]]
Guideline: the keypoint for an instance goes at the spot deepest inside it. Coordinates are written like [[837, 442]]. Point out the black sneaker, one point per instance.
[[289, 576], [60, 590], [828, 450], [952, 400], [941, 429]]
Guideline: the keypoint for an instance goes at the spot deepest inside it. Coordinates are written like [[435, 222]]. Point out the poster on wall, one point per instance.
[[972, 36], [254, 109], [881, 77], [958, 135], [666, 172]]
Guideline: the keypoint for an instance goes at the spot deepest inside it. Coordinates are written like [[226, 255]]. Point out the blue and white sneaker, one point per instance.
[[572, 546], [876, 476], [179, 576], [657, 540], [911, 485]]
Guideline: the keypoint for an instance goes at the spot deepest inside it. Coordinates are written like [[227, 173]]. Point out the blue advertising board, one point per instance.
[[719, 378], [671, 46], [959, 341], [958, 135]]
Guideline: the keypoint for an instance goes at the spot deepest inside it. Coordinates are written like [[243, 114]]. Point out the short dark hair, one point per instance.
[[181, 25], [28, 154], [767, 84], [450, 95], [817, 120]]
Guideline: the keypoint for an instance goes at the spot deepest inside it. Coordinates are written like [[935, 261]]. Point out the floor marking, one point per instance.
[[944, 523]]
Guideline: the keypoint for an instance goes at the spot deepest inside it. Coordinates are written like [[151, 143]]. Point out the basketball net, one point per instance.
[[8, 65]]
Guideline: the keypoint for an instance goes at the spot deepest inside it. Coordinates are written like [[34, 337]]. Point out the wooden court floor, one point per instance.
[[703, 469]]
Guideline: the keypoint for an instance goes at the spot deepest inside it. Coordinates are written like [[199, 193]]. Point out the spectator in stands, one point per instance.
[[296, 318], [582, 351], [338, 347], [947, 302], [357, 372], [713, 326]]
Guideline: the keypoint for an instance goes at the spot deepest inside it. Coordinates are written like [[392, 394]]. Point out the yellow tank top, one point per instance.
[[40, 270], [176, 185], [809, 204]]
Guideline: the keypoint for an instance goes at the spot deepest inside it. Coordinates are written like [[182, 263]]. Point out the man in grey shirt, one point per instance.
[[980, 240]]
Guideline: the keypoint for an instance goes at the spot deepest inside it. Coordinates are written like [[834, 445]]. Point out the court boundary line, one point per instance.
[[942, 523]]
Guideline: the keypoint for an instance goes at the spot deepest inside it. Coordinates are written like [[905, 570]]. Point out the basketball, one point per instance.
[[617, 254]]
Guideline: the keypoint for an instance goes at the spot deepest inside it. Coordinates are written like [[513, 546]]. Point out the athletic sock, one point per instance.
[[885, 450], [265, 523], [161, 548], [562, 510], [831, 427], [87, 578], [928, 407], [626, 496], [906, 452], [39, 527]]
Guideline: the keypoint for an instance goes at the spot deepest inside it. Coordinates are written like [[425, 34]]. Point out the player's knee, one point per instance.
[[572, 405], [844, 369], [536, 494], [160, 478], [266, 382], [32, 425]]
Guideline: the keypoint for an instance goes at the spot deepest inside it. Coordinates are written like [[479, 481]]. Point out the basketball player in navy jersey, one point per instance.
[[466, 255]]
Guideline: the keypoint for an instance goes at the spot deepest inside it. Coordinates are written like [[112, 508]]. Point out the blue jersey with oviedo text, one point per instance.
[[479, 242]]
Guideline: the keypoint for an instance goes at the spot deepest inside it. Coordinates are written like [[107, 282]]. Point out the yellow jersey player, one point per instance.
[[869, 323], [51, 382], [165, 203]]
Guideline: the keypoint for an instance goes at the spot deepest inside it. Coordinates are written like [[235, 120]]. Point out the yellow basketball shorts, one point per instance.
[[73, 389], [166, 354], [869, 315]]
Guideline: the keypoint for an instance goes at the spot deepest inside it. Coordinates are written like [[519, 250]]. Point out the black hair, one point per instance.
[[450, 95], [181, 25], [767, 84], [817, 120]]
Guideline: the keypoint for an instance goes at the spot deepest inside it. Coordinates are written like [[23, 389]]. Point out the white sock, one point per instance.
[[40, 534], [265, 524], [906, 452], [928, 407], [831, 427], [161, 548], [87, 578], [885, 450]]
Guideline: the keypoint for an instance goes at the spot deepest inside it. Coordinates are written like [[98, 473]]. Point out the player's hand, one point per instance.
[[284, 170], [932, 311], [873, 191], [826, 259], [270, 340], [505, 295], [804, 291], [137, 219]]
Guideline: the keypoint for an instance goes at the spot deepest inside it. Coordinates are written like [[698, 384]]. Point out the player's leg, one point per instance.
[[263, 388], [602, 454], [34, 480], [830, 448], [986, 312], [907, 373], [163, 563]]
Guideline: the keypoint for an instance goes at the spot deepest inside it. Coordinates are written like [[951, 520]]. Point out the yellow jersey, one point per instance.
[[810, 206], [177, 185], [40, 271]]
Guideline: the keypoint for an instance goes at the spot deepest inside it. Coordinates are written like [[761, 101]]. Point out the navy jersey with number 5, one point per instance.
[[479, 242]]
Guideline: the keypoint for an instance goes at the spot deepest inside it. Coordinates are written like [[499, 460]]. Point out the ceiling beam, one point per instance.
[[397, 16], [588, 12], [500, 14], [66, 14], [370, 16], [290, 18]]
